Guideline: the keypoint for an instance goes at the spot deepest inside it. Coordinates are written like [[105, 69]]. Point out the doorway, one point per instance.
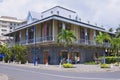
[[46, 57], [63, 56], [75, 57]]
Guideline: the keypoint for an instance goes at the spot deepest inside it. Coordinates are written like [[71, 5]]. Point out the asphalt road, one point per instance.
[[24, 73]]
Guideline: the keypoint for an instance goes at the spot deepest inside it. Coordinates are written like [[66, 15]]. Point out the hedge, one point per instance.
[[111, 59]]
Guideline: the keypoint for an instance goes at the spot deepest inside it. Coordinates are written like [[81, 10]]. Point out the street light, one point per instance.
[[104, 56], [35, 59]]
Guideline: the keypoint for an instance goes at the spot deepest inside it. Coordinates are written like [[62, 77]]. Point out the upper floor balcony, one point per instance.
[[53, 40]]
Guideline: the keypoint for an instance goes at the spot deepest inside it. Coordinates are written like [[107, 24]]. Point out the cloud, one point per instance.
[[96, 11]]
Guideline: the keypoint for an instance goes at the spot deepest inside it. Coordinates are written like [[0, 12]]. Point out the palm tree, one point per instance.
[[116, 46], [101, 38], [66, 38]]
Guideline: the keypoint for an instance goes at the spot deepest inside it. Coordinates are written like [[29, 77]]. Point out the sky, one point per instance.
[[104, 13]]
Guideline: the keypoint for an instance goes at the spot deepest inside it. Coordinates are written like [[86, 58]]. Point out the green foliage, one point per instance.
[[90, 63], [102, 37], [105, 65], [110, 30], [111, 59], [116, 64], [115, 43], [19, 53], [6, 51], [66, 37], [117, 35], [67, 65]]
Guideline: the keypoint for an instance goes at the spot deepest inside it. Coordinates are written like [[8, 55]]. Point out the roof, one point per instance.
[[59, 7], [35, 15], [57, 17]]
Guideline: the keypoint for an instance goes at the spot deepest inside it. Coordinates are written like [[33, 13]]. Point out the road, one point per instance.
[[24, 73]]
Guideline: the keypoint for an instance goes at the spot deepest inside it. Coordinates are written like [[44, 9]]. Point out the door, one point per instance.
[[75, 57], [46, 55]]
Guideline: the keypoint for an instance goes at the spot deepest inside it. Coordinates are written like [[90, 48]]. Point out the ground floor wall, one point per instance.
[[55, 54]]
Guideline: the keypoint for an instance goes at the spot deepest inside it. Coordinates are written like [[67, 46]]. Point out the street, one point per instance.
[[27, 73]]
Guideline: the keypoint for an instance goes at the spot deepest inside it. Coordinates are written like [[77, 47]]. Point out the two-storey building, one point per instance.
[[39, 35]]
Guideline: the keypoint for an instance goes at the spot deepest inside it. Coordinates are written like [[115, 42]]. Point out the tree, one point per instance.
[[19, 53], [111, 30], [6, 51], [115, 44], [66, 38], [101, 38], [117, 32]]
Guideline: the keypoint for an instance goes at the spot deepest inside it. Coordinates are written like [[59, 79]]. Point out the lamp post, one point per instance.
[[35, 58], [104, 56]]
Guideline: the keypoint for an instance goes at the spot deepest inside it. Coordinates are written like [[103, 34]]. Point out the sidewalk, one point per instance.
[[3, 77], [78, 67]]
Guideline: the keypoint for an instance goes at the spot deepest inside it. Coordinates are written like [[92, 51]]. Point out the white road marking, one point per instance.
[[62, 76]]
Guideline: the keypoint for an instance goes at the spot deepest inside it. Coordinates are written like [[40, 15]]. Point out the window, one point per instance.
[[3, 30], [2, 33], [10, 24], [41, 16], [4, 26], [69, 16], [76, 17], [59, 24], [10, 27], [68, 26], [51, 12], [4, 22], [57, 12]]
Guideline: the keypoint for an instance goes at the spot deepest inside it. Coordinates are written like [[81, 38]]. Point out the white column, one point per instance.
[[27, 36], [94, 37], [34, 34], [86, 36], [63, 25], [53, 32]]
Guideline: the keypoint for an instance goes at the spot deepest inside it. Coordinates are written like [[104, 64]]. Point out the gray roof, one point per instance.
[[35, 15]]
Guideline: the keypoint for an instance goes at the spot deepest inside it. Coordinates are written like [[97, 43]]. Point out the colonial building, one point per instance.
[[40, 32], [7, 24]]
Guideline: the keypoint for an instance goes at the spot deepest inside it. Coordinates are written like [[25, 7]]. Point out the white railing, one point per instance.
[[51, 38]]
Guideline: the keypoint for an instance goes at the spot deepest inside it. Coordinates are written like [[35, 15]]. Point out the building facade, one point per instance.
[[40, 32], [7, 24]]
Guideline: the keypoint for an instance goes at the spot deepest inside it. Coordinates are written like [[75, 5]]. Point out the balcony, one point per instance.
[[82, 42]]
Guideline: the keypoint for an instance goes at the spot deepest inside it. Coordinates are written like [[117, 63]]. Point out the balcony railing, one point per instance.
[[51, 39]]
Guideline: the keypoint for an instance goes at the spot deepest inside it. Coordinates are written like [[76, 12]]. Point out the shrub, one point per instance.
[[67, 65], [116, 64], [110, 59], [90, 63], [105, 65]]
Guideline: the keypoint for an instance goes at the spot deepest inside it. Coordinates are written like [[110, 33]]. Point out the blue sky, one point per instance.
[[102, 12]]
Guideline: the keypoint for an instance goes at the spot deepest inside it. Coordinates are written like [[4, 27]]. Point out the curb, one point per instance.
[[3, 77]]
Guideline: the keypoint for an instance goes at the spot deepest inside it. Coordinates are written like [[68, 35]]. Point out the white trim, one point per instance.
[[63, 20]]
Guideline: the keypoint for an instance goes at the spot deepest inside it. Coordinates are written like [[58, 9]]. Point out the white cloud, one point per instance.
[[96, 11]]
